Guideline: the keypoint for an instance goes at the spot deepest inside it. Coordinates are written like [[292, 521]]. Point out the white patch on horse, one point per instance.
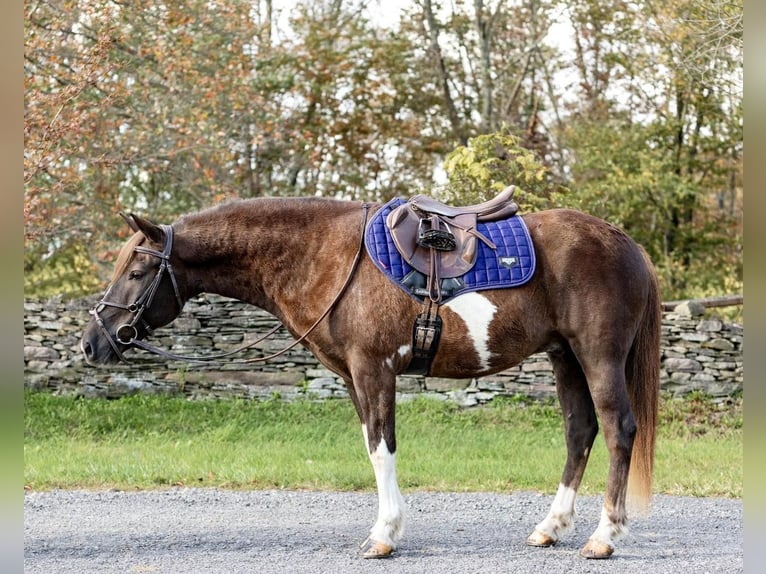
[[608, 532], [477, 313], [389, 526], [400, 353], [561, 516]]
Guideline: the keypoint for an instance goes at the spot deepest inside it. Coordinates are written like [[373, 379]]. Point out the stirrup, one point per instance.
[[439, 239]]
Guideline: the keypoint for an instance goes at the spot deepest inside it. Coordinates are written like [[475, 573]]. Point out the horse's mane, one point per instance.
[[285, 208], [126, 254]]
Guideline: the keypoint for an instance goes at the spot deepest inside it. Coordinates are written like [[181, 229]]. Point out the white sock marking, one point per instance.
[[607, 531], [561, 516], [390, 523], [477, 313]]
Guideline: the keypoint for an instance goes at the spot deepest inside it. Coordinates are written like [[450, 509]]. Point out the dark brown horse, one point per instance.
[[592, 305]]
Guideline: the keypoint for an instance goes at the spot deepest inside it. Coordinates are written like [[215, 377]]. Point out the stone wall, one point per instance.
[[699, 353]]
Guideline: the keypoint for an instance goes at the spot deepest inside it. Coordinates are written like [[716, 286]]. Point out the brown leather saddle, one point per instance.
[[439, 240]]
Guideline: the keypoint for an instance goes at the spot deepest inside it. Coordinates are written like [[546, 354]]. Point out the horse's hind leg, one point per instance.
[[610, 396], [581, 427], [374, 398]]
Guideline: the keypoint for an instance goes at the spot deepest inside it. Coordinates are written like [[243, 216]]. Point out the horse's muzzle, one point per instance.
[[96, 351]]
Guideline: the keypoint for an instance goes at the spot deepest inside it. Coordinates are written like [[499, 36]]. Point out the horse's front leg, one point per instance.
[[389, 526], [374, 397]]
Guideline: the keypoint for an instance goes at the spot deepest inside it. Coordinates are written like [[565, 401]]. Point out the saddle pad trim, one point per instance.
[[511, 236]]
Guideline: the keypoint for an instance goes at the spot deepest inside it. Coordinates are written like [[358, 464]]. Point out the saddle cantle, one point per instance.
[[440, 241]]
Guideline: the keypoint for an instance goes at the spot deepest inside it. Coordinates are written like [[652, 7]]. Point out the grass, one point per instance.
[[149, 442]]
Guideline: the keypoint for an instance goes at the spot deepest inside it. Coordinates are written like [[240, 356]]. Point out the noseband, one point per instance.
[[127, 333]]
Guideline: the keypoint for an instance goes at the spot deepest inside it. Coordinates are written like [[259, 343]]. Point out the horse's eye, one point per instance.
[[136, 275]]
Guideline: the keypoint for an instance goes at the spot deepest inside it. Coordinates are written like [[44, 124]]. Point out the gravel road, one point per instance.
[[184, 531]]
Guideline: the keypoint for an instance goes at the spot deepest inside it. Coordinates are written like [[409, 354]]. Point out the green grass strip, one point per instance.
[[145, 442]]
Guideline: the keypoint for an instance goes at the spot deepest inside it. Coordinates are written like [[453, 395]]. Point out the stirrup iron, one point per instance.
[[439, 239]]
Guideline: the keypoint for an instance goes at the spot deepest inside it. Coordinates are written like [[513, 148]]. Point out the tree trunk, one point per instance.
[[449, 102]]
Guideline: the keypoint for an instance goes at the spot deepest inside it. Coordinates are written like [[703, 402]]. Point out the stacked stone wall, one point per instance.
[[700, 352]]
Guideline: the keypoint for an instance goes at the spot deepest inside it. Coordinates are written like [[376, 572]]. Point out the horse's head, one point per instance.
[[144, 294]]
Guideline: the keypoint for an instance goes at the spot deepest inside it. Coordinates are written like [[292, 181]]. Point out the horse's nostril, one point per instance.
[[87, 349]]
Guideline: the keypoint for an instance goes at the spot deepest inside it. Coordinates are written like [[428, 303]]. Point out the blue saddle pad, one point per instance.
[[510, 265]]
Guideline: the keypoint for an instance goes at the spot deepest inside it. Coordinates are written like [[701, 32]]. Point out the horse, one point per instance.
[[592, 304]]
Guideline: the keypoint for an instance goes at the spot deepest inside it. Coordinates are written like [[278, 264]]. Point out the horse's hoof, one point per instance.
[[540, 539], [596, 550], [375, 549]]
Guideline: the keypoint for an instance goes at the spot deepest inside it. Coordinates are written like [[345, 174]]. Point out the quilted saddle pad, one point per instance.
[[511, 264]]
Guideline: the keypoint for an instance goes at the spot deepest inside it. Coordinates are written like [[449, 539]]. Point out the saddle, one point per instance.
[[439, 240]]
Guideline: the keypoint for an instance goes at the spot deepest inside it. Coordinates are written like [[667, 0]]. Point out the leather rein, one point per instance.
[[127, 333]]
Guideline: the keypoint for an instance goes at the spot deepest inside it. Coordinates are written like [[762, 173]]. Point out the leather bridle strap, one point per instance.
[[144, 301], [199, 359]]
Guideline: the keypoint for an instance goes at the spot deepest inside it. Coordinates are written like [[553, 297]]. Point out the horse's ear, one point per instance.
[[129, 220], [153, 232]]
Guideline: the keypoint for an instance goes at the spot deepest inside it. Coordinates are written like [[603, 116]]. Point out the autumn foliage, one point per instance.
[[620, 109]]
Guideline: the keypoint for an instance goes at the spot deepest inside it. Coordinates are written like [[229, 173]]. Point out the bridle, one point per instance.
[[127, 333]]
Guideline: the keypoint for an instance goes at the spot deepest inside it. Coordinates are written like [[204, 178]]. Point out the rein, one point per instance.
[[145, 300]]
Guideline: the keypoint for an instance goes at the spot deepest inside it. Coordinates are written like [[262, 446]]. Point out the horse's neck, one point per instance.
[[288, 263]]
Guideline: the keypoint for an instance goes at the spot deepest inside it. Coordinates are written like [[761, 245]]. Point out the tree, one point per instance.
[[491, 162], [126, 108], [357, 115], [164, 108], [653, 146], [489, 64]]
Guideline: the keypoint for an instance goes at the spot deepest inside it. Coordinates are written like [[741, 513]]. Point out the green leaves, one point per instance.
[[489, 164]]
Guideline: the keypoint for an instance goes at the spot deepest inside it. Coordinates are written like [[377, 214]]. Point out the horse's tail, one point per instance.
[[643, 378]]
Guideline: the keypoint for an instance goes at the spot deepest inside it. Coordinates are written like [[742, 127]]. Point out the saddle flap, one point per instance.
[[405, 225], [404, 231]]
